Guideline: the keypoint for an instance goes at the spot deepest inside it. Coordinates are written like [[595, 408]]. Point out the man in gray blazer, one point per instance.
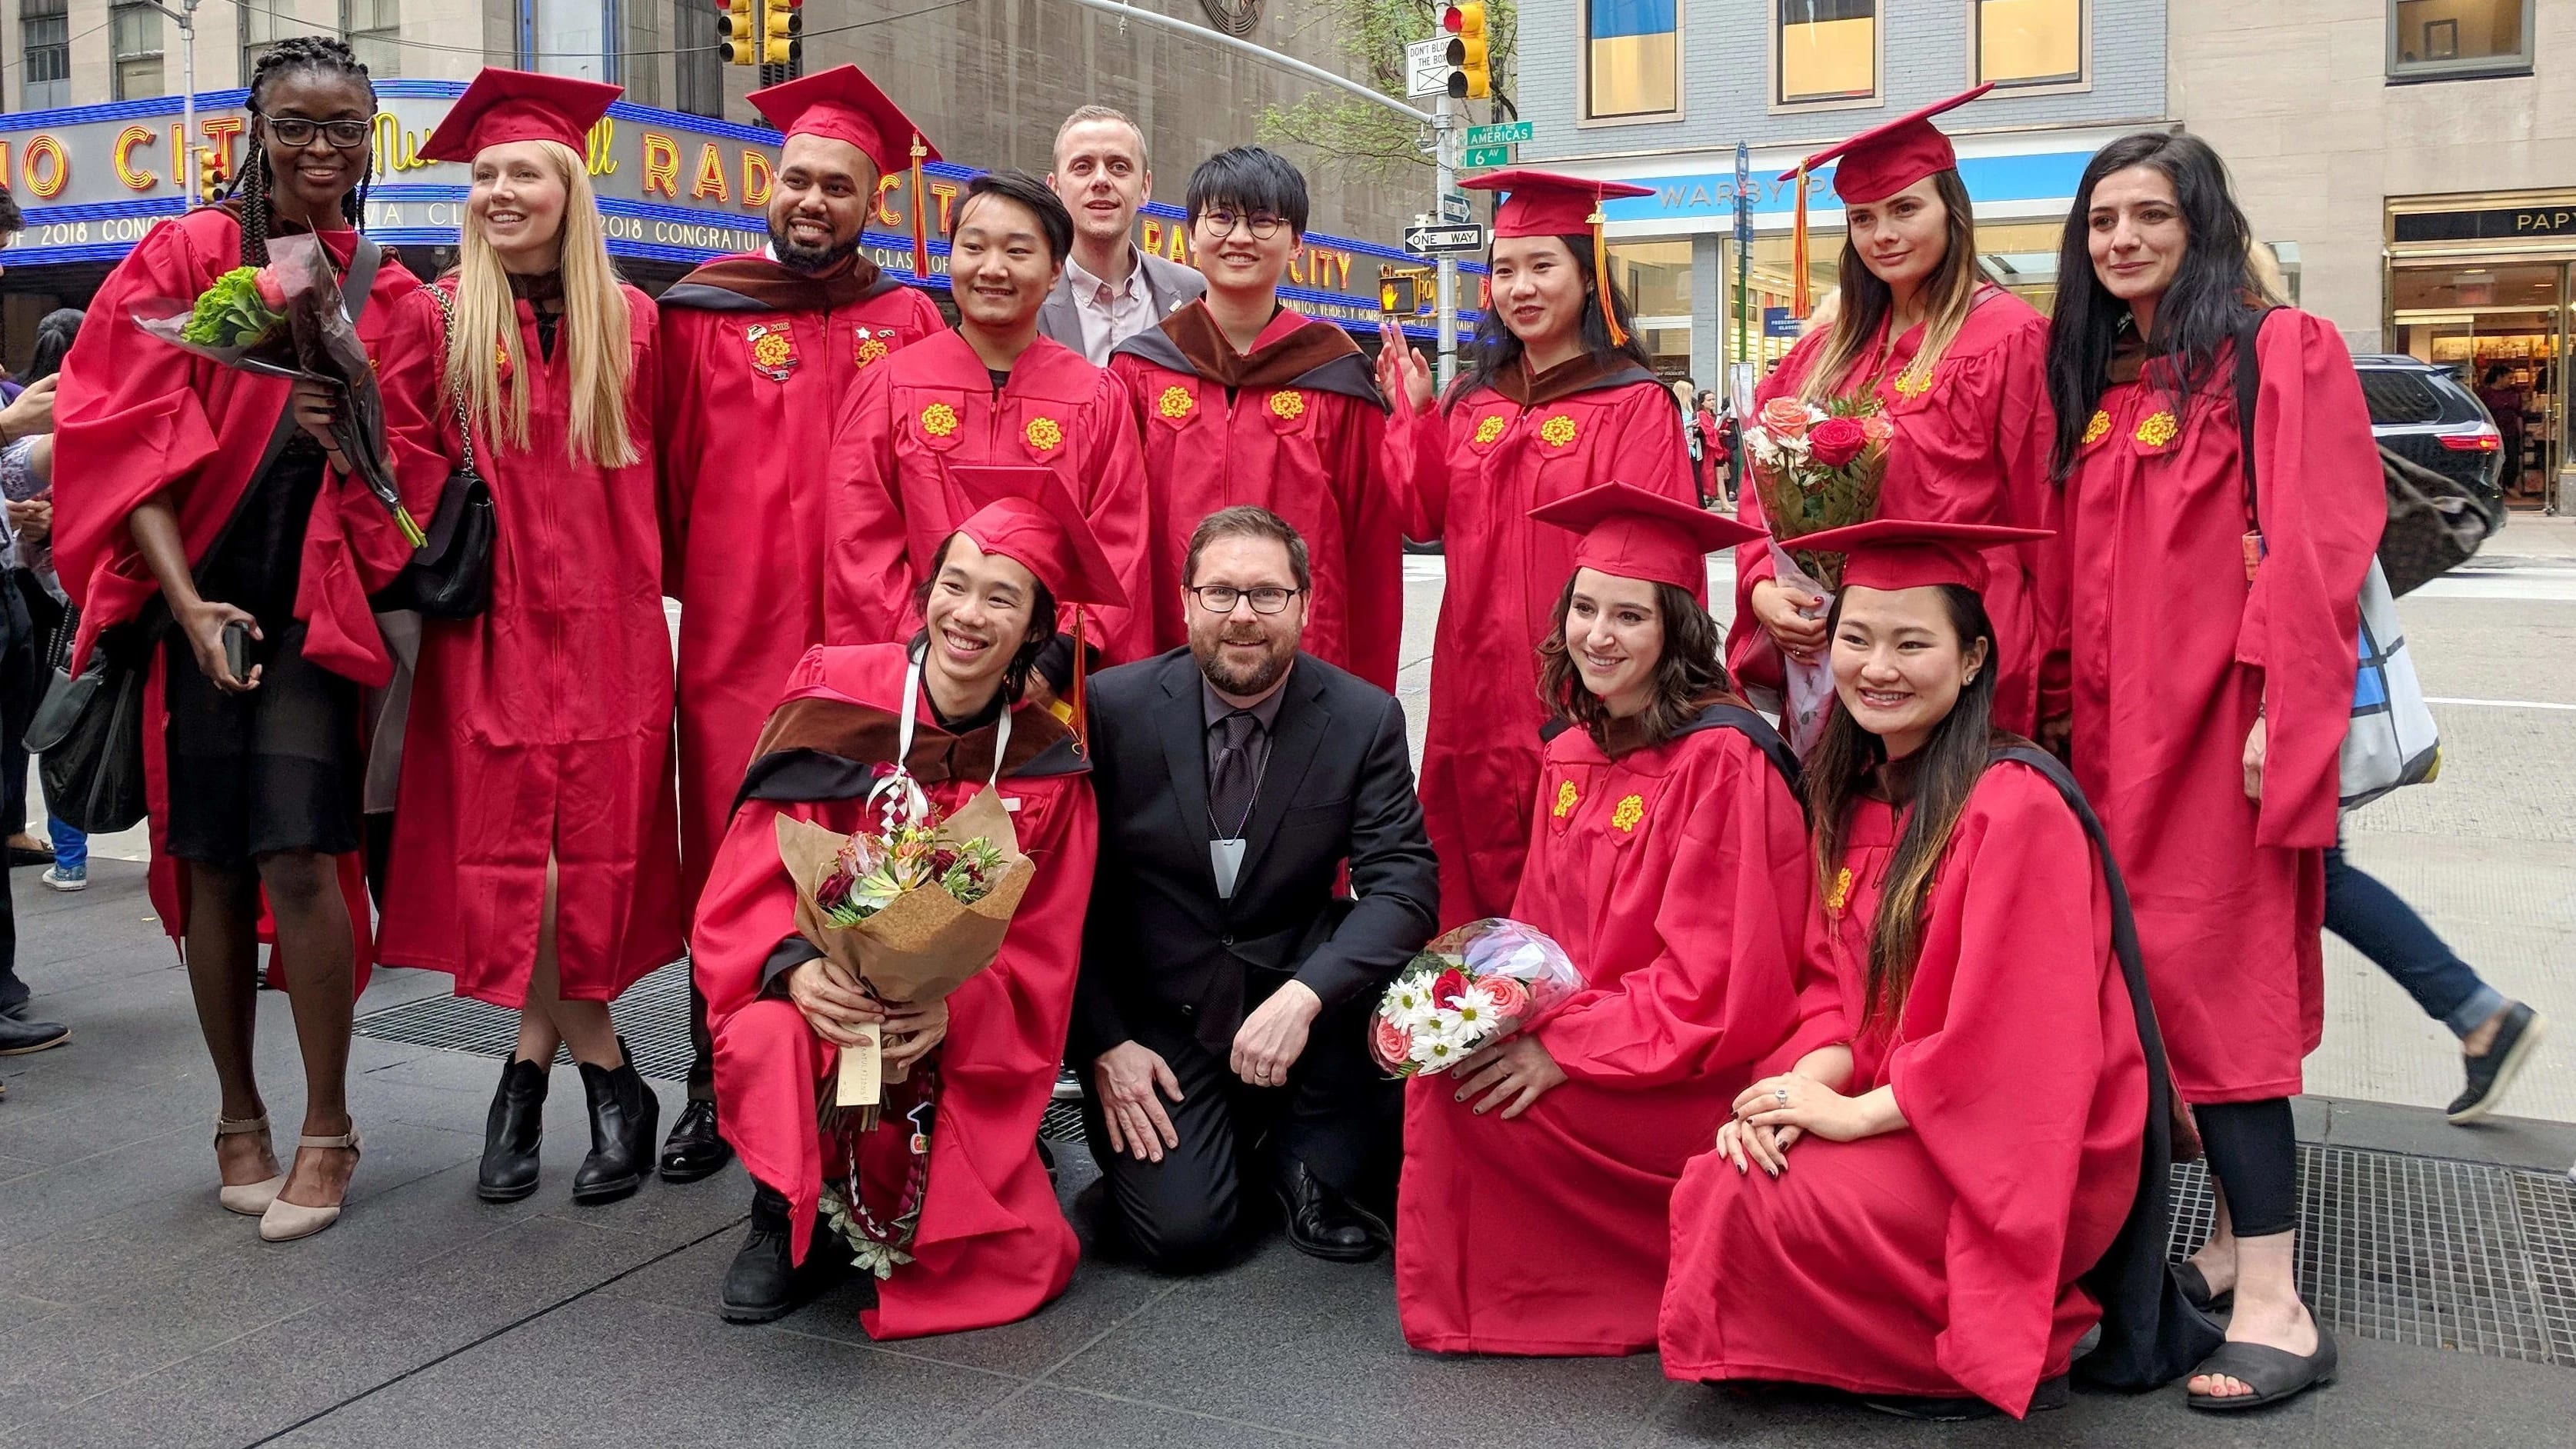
[[1111, 288]]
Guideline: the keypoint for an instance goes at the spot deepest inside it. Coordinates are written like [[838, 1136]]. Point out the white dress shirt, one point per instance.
[[1110, 313]]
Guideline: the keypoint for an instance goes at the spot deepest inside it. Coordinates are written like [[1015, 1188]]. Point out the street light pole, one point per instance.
[[186, 160], [1444, 165]]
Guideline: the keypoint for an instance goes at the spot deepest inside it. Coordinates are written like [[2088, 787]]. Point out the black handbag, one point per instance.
[[450, 574], [87, 736]]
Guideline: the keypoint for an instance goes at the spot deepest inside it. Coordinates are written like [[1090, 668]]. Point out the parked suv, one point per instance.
[[2424, 413]]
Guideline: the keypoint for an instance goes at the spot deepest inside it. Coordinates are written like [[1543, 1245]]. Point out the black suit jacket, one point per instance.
[[1159, 943]]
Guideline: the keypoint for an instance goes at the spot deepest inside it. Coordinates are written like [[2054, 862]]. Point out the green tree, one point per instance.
[[1333, 126]]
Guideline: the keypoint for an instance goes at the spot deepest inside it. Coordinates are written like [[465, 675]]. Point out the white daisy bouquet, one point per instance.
[[1472, 987]]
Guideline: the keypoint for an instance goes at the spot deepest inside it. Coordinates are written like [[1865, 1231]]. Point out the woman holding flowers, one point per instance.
[[1557, 397], [534, 852], [199, 494], [1979, 1093], [1667, 859], [1924, 361], [946, 1200]]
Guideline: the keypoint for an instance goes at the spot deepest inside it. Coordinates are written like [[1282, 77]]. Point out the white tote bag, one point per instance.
[[2392, 741]]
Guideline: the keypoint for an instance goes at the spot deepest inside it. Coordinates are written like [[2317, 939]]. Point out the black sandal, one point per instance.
[[2195, 1286], [2274, 1374]]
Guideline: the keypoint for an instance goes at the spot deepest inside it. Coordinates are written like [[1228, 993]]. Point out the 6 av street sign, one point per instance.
[[1485, 156], [1444, 241], [1501, 135]]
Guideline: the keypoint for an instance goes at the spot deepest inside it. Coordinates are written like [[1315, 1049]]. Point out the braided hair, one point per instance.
[[331, 56]]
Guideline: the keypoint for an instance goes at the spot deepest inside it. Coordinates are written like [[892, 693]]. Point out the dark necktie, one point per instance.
[[1230, 778]]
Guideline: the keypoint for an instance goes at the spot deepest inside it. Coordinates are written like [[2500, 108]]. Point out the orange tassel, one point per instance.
[[1081, 739], [1601, 276], [920, 216], [1798, 300]]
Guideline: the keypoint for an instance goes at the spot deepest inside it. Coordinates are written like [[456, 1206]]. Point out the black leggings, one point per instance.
[[2254, 1153]]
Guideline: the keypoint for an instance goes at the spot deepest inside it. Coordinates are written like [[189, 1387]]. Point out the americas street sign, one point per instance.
[[1485, 156], [1444, 241], [1501, 135]]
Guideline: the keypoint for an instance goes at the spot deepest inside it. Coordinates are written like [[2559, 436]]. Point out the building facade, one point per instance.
[[1661, 92], [2422, 160]]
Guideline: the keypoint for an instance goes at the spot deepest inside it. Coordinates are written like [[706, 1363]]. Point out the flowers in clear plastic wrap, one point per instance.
[[1816, 468], [1470, 988]]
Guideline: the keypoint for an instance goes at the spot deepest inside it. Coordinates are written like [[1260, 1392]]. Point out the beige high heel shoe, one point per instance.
[[250, 1199], [285, 1221]]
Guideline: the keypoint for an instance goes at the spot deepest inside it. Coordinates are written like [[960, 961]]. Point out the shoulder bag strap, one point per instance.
[[2249, 387], [464, 421]]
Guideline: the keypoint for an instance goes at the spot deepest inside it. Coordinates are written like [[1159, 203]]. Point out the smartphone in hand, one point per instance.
[[237, 650]]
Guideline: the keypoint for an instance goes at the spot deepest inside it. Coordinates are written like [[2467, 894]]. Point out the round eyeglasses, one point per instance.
[[1223, 222]]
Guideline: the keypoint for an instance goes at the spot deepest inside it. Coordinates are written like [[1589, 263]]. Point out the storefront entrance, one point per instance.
[[2482, 284]]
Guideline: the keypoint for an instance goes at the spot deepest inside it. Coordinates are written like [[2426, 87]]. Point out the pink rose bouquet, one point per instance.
[[1470, 988]]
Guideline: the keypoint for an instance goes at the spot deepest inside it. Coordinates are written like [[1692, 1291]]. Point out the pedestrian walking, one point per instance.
[[27, 480], [1111, 289], [534, 853]]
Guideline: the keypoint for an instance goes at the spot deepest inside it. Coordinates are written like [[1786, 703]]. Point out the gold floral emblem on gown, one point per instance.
[[1045, 434], [1175, 402], [939, 420], [1288, 404], [2157, 429], [1557, 431], [1910, 383], [1489, 427], [1565, 798], [2093, 430], [1840, 894], [869, 349], [1629, 811]]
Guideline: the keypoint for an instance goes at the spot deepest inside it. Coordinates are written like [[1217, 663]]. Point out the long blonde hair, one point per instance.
[[1862, 302], [595, 334]]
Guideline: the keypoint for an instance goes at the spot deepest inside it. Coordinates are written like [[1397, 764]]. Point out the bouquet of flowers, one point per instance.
[[1814, 468], [1472, 987], [287, 320]]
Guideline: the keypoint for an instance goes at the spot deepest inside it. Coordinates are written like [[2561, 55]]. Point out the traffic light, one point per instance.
[[1399, 294], [740, 27], [1470, 71], [780, 21]]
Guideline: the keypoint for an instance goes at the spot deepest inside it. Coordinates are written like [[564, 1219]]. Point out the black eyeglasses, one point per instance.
[[1221, 598], [297, 131], [1264, 227]]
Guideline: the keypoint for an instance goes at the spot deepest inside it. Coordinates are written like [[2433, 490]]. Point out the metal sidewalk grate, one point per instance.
[[653, 1016], [2420, 1250], [1062, 1122]]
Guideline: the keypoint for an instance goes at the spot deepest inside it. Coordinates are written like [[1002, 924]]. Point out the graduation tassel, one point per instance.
[[1601, 275], [920, 215], [1081, 740], [1798, 251]]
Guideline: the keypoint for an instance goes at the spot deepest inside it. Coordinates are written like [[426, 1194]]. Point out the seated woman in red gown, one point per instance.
[[1980, 1116], [1668, 858]]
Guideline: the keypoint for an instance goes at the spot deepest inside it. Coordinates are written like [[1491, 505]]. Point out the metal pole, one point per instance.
[[1444, 170], [1289, 62], [186, 160]]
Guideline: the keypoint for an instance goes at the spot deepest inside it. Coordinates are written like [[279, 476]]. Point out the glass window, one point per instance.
[[698, 67], [45, 34], [572, 38], [1656, 276], [2030, 42], [136, 40], [2436, 38], [1827, 50], [374, 28], [1632, 66]]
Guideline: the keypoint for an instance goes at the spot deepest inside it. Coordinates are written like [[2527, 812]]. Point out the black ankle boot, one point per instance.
[[625, 1117], [763, 1282], [511, 1132]]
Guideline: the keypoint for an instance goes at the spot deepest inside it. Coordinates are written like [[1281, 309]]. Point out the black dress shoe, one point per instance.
[[2503, 1060], [19, 1037], [764, 1283], [511, 1132], [694, 1150], [625, 1117], [1321, 1223]]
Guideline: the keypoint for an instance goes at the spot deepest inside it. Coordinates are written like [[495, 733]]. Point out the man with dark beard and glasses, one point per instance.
[[758, 351], [1227, 972]]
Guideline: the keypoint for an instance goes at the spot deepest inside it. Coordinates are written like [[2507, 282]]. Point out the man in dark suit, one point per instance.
[[1221, 1022]]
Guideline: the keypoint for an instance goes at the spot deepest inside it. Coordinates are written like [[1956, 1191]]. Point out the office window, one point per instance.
[[135, 40], [1827, 50], [374, 28], [698, 68], [263, 23], [1631, 65], [2030, 42], [45, 35], [573, 39], [2437, 39]]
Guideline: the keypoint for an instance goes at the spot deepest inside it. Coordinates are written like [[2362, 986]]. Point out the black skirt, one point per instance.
[[279, 768]]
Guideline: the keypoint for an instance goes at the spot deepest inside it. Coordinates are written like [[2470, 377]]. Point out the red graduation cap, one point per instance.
[[1903, 553], [503, 106], [844, 105], [1633, 534], [1549, 203], [1024, 514], [1875, 165]]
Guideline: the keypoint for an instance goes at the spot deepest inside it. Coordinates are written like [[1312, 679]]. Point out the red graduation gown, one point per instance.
[[993, 1245], [1941, 1258], [742, 506], [543, 725], [933, 406], [2172, 657], [1471, 470], [137, 418], [1972, 447], [1295, 427], [1676, 878]]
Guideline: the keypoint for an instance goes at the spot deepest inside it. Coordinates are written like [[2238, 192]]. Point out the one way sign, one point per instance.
[[1445, 241]]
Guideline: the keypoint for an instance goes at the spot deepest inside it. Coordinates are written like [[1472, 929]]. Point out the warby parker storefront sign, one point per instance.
[[672, 188]]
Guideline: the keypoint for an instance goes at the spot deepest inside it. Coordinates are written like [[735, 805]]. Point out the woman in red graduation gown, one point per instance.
[[990, 392], [1981, 1103], [1668, 859], [1953, 361], [535, 854], [1241, 400], [254, 782], [987, 1243], [2210, 691], [1557, 398]]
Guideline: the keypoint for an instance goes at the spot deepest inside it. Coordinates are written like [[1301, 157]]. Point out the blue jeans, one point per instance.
[[71, 848], [2375, 922]]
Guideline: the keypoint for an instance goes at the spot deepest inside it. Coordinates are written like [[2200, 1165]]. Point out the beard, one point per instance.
[[797, 257], [1246, 681]]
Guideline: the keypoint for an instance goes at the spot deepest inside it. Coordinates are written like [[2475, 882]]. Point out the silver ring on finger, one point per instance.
[[1783, 1095]]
